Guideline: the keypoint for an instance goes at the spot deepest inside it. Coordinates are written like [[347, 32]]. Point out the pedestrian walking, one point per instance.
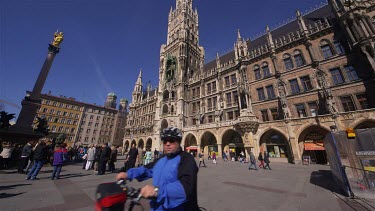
[[201, 159], [59, 156], [6, 155], [140, 156], [156, 154], [133, 153], [252, 161], [267, 160], [260, 158], [27, 151], [214, 157], [112, 159], [148, 156], [225, 156], [40, 157], [90, 157], [209, 156]]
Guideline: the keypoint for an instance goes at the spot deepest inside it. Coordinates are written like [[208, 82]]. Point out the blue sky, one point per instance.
[[107, 42]]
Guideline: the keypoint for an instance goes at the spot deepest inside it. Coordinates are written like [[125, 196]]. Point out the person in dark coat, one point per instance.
[[112, 159], [26, 153], [40, 157], [253, 161], [102, 160], [133, 153], [267, 160]]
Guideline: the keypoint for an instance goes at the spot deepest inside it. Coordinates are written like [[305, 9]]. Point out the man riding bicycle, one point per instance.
[[174, 175]]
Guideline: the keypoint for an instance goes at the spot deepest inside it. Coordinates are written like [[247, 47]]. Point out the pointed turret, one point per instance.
[[269, 38], [238, 35], [301, 23], [137, 93], [240, 47], [217, 60]]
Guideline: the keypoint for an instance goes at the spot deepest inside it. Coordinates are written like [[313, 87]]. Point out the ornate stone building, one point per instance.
[[281, 92]]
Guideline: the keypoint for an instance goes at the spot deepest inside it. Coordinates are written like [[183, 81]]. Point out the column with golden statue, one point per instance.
[[32, 102]]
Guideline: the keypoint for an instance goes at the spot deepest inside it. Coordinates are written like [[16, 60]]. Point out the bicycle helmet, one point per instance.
[[171, 133]]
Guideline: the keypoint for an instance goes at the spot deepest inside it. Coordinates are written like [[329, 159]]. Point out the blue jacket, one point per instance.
[[176, 178]]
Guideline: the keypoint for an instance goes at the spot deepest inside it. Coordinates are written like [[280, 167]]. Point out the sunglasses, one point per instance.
[[170, 141]]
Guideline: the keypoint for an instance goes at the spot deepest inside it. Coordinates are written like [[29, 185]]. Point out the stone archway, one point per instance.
[[365, 124], [133, 142], [311, 144], [190, 144], [141, 143], [277, 146], [126, 145], [149, 144], [209, 143], [232, 143]]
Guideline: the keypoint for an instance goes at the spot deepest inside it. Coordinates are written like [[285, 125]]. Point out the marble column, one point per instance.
[[31, 103]]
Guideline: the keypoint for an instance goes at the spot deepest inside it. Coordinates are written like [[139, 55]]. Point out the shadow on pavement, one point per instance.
[[323, 178], [7, 195], [6, 187], [65, 176]]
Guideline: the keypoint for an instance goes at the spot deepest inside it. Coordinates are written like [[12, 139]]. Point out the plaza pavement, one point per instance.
[[225, 186]]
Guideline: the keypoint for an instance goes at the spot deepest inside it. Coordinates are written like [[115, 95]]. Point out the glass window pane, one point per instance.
[[351, 73], [336, 76]]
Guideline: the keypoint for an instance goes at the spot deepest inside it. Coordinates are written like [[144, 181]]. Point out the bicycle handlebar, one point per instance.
[[133, 193]]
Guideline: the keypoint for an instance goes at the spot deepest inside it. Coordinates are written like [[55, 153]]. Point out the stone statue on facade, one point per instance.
[[327, 92], [282, 98]]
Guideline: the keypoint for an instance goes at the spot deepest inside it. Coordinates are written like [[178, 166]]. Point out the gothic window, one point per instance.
[[275, 113], [301, 111], [265, 117], [209, 104], [214, 86], [298, 58], [233, 79], [209, 88], [347, 103], [326, 49], [165, 109], [53, 129], [261, 95], [313, 106], [257, 73], [306, 83], [235, 97], [229, 99], [227, 83], [173, 95], [337, 76], [214, 103], [288, 62], [351, 73], [362, 100], [339, 48], [166, 95], [294, 87], [266, 70], [270, 92]]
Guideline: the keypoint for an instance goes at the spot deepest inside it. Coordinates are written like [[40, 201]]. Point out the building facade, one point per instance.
[[84, 123], [281, 92]]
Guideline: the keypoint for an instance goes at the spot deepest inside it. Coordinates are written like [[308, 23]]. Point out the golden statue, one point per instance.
[[58, 38]]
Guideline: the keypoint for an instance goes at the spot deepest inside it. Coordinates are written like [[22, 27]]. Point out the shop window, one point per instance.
[[337, 76], [347, 103]]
